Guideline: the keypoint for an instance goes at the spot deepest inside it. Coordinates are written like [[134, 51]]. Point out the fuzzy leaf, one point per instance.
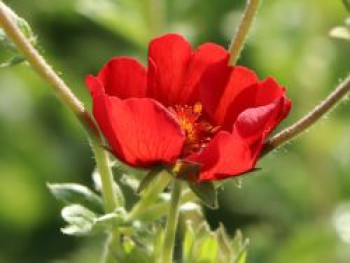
[[14, 57], [80, 220], [71, 193]]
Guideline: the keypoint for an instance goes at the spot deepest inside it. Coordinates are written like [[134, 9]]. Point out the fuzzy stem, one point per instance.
[[172, 220], [309, 119], [44, 70], [242, 31]]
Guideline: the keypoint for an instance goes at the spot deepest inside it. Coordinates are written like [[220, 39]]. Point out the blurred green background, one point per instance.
[[297, 209]]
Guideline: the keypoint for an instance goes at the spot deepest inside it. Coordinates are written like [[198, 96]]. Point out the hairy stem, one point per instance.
[[309, 119], [172, 220], [242, 31], [45, 71]]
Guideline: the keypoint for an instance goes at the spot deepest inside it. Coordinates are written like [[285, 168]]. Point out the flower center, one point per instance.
[[197, 131]]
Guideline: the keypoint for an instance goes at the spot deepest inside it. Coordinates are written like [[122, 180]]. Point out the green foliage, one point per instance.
[[71, 193], [41, 142], [347, 4], [121, 17], [206, 192], [201, 245], [6, 45]]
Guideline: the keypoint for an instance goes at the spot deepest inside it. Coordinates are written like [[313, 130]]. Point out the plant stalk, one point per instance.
[[45, 71], [172, 220], [242, 31], [309, 119]]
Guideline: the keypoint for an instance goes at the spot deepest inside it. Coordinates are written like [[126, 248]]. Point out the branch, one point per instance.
[[309, 119], [242, 31], [68, 98]]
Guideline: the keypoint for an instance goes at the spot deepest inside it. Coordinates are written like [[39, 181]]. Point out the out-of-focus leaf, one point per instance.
[[110, 221], [206, 192], [120, 17], [71, 193], [239, 247], [7, 45], [347, 4], [340, 32], [200, 244], [131, 181], [15, 60], [225, 252], [80, 220]]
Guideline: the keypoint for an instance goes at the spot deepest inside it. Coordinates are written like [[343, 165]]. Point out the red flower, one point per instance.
[[187, 105]]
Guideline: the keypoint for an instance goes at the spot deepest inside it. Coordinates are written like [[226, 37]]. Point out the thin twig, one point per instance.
[[242, 31], [44, 70], [309, 119]]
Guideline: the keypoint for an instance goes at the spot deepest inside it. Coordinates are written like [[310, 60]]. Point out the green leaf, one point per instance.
[[120, 17], [71, 193], [189, 242], [80, 220], [239, 247], [347, 4], [206, 192], [7, 45], [13, 61], [225, 252], [110, 221]]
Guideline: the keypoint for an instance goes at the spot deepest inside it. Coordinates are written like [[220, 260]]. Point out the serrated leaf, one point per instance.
[[347, 4], [206, 192], [80, 220], [71, 193], [239, 247], [225, 252]]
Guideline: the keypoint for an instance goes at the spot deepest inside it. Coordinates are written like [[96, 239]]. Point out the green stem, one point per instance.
[[107, 181], [173, 216], [150, 194], [242, 31], [111, 248]]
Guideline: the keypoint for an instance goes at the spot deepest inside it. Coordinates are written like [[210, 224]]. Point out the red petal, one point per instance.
[[220, 87], [225, 156], [168, 59], [255, 124], [124, 77], [141, 132], [202, 58]]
